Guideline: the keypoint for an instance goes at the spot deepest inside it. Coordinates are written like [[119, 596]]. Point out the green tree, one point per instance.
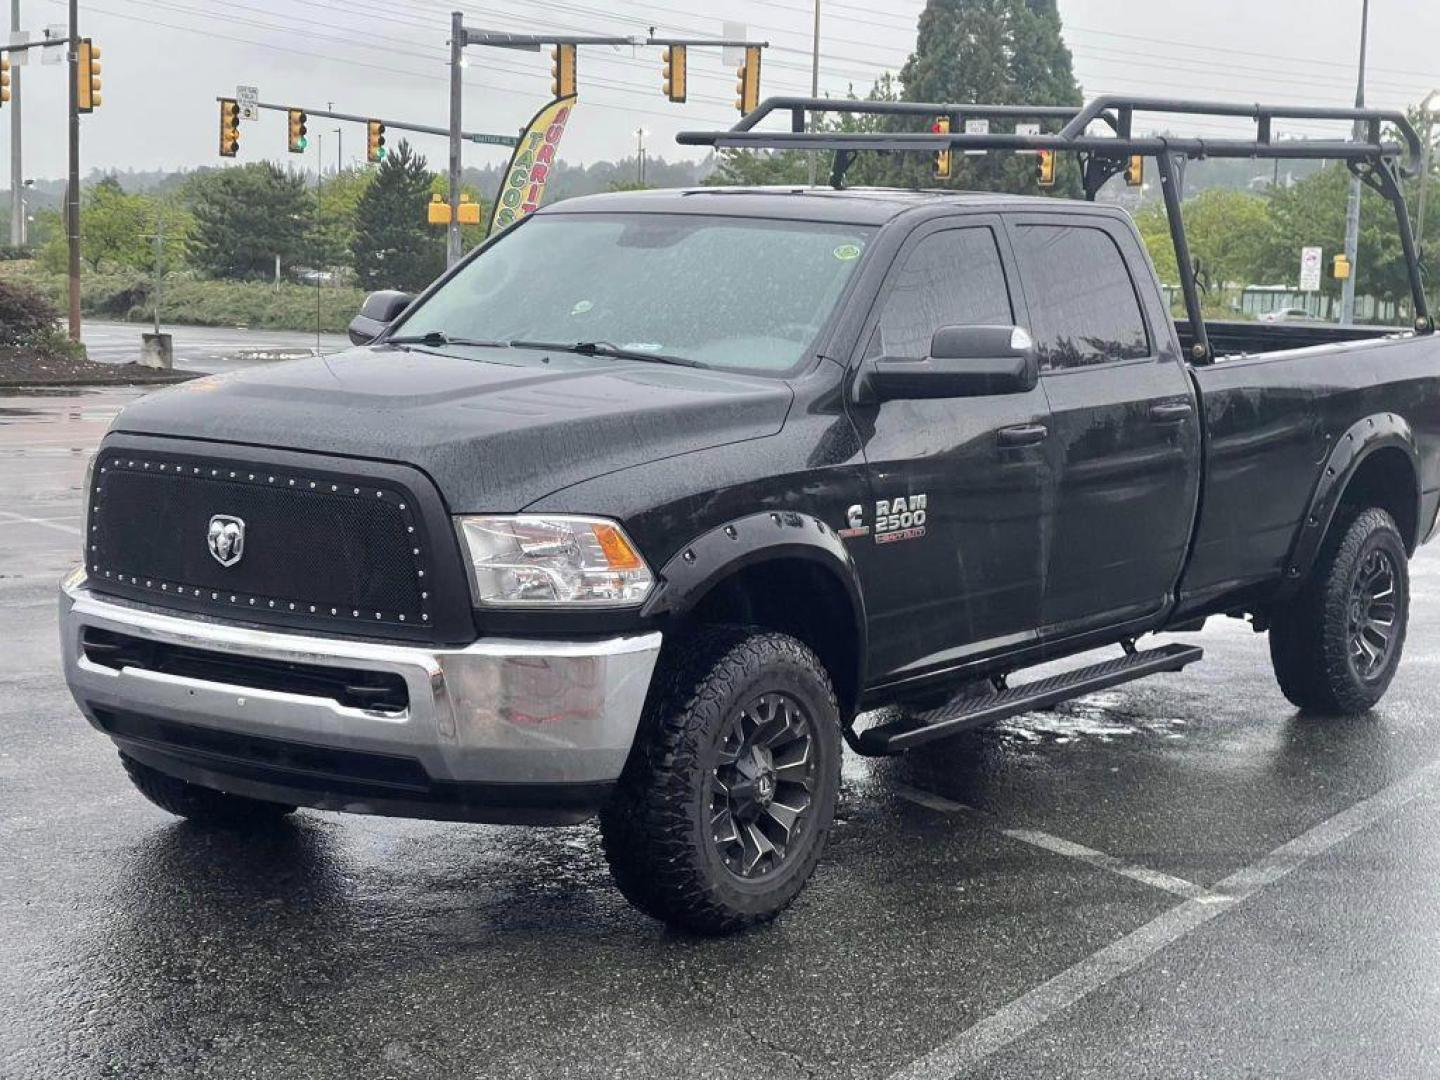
[[393, 247], [996, 52], [331, 238], [246, 216], [1312, 213], [1227, 232]]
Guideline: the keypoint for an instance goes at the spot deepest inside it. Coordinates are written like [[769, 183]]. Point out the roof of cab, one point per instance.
[[869, 206]]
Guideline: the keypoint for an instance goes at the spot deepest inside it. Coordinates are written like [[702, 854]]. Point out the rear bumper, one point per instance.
[[500, 730]]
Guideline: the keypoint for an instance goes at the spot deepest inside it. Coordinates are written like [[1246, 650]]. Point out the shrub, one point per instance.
[[26, 315]]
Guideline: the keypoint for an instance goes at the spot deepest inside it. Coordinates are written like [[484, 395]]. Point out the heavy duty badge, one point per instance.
[[900, 519]]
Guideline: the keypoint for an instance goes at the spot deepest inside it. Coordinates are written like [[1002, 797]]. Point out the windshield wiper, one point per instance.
[[437, 338], [605, 348]]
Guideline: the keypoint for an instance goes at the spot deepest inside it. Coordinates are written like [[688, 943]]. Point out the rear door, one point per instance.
[[951, 556], [1125, 431]]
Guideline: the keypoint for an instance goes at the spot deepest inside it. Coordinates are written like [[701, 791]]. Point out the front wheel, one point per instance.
[[724, 806], [1335, 648]]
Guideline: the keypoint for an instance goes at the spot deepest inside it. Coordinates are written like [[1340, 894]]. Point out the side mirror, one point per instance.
[[379, 311], [964, 361]]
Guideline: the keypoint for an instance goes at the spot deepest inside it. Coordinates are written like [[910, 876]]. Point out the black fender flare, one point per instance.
[[1362, 439], [748, 541]]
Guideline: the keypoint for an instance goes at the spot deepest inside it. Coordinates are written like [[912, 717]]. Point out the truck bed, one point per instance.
[[1239, 337]]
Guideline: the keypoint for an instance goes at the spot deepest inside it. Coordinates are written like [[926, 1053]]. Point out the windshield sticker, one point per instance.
[[581, 306], [846, 252]]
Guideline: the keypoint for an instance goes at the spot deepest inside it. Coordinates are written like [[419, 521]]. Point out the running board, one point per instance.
[[969, 712]]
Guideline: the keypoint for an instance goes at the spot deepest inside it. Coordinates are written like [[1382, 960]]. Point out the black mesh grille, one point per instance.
[[318, 548]]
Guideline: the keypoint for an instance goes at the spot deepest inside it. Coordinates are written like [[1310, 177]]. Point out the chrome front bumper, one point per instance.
[[498, 713]]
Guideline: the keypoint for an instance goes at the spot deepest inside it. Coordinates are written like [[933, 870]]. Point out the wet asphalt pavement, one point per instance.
[[1181, 877]]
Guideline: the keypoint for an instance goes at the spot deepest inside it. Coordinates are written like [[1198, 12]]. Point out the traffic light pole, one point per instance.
[[72, 187], [457, 56]]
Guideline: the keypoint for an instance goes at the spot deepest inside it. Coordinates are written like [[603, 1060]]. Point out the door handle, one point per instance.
[[1171, 412], [1022, 434]]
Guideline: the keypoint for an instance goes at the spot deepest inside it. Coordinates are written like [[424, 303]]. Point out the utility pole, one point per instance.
[[72, 186], [17, 172], [1352, 208], [457, 56], [815, 87], [640, 155]]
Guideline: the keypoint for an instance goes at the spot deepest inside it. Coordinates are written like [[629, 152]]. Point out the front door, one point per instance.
[[952, 560], [1126, 435]]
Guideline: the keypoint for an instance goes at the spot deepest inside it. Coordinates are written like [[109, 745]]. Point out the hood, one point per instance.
[[495, 434]]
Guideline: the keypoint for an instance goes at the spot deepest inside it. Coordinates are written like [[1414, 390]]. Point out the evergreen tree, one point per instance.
[[246, 216], [993, 52], [393, 247]]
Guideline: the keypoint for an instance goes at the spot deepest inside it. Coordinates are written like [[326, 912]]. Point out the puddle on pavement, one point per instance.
[[1103, 717]]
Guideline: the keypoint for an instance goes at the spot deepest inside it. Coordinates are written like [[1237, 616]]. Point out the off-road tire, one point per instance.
[[1310, 639], [202, 805], [657, 829]]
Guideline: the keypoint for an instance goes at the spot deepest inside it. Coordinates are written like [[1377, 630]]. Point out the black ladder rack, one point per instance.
[[1378, 160]]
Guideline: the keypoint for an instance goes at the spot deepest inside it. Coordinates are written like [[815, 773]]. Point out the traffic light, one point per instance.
[[4, 80], [437, 212], [468, 212], [87, 75], [675, 72], [298, 141], [1135, 171], [374, 141], [229, 127], [748, 84], [941, 126], [1045, 168], [562, 71]]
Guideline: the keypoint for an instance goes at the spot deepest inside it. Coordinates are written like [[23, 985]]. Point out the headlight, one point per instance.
[[540, 559], [91, 472]]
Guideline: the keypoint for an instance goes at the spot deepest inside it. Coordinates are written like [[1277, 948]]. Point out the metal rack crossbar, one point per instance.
[[1383, 148]]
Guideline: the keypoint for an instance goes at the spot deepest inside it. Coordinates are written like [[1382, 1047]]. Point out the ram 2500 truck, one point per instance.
[[635, 511]]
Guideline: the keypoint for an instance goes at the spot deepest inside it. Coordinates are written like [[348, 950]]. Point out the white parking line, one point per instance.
[[1027, 1012], [1156, 879], [44, 523]]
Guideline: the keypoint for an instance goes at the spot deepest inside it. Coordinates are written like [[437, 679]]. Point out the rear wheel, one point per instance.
[[202, 805], [1335, 648], [724, 807]]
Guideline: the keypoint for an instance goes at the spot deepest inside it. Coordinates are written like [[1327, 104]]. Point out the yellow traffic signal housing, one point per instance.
[[747, 86], [469, 212], [298, 140], [4, 79], [675, 72], [562, 71], [1135, 171], [374, 141], [87, 76], [229, 127], [1045, 168], [438, 212], [943, 159], [1341, 267]]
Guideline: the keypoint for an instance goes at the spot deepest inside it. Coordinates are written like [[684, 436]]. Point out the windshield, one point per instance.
[[721, 292]]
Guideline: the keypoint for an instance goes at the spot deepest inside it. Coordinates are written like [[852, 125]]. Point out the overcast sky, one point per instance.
[[166, 60]]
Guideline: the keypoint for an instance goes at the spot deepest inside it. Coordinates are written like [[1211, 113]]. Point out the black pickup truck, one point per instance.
[[636, 511]]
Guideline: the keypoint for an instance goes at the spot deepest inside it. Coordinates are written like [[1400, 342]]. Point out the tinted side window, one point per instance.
[[1083, 304], [950, 278]]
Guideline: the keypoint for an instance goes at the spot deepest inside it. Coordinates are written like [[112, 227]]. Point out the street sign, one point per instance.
[[1027, 129], [249, 99], [494, 140], [21, 58], [1310, 260], [733, 55], [54, 32], [977, 127]]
